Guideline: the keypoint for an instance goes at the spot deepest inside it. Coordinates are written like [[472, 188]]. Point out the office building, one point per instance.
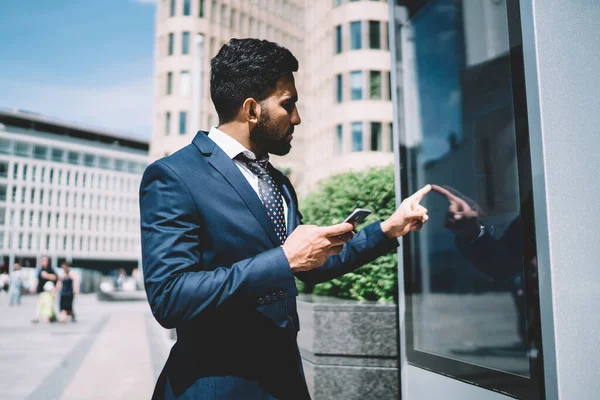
[[69, 192], [343, 81]]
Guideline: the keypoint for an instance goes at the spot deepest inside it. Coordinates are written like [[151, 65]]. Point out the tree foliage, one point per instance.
[[335, 198]]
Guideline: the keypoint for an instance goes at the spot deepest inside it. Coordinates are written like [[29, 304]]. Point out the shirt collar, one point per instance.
[[229, 145]]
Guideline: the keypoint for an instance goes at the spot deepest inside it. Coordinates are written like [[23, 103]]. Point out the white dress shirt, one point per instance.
[[232, 148]]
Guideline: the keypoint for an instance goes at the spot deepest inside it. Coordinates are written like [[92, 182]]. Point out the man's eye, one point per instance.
[[288, 106]]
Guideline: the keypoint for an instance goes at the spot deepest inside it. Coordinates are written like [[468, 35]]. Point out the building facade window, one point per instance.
[[355, 35], [375, 85], [73, 158], [374, 35], [185, 84], [339, 139], [356, 85], [337, 3], [172, 8], [357, 136], [171, 43], [187, 7], [391, 131], [339, 88], [376, 136], [169, 83], [213, 11], [338, 39], [167, 123], [232, 19], [201, 8], [224, 15], [185, 43], [40, 152], [182, 122]]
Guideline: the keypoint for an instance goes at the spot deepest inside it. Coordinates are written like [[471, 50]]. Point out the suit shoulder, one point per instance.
[[181, 161]]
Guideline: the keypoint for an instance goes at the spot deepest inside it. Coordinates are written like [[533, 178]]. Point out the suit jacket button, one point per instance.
[[281, 294], [261, 301], [274, 296], [267, 299]]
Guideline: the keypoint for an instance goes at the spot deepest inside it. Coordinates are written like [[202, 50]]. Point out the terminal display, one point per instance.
[[470, 275]]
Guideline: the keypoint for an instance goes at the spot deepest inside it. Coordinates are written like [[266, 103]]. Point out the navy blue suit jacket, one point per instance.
[[215, 271]]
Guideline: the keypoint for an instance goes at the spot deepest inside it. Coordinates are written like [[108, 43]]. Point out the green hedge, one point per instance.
[[335, 198]]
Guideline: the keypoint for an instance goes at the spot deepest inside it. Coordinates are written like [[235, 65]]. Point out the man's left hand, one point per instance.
[[409, 217]]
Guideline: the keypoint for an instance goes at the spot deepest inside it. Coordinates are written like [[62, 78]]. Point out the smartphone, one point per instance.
[[358, 216]]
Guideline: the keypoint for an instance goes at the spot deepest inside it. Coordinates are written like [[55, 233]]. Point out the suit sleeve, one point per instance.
[[366, 246], [177, 286]]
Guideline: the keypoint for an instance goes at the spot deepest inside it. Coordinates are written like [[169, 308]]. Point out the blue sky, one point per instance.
[[86, 61]]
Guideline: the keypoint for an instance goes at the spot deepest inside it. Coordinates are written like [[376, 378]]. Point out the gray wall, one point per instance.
[[562, 58]]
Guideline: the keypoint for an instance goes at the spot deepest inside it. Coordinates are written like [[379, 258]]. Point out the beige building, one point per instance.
[[343, 82]]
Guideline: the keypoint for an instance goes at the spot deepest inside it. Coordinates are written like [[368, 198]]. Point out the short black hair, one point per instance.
[[246, 68]]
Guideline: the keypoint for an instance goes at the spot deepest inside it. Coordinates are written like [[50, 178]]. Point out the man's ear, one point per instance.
[[251, 109]]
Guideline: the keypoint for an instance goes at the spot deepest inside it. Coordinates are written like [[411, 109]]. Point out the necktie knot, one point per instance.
[[258, 167]]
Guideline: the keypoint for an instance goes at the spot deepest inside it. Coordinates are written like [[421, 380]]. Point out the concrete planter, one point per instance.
[[349, 349]]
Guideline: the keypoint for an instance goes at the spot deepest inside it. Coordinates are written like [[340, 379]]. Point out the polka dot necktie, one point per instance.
[[269, 194]]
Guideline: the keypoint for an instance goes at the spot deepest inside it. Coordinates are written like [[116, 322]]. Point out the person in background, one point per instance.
[[46, 274], [4, 280], [68, 287], [46, 303], [16, 285]]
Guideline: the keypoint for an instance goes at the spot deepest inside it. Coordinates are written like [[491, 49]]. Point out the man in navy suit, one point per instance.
[[222, 239]]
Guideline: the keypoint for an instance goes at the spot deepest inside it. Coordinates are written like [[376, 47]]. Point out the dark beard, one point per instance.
[[268, 137]]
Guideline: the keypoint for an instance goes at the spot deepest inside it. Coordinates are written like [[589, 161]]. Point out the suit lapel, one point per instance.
[[286, 190], [227, 168]]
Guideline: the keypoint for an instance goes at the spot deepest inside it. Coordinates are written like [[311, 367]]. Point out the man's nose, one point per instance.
[[296, 120]]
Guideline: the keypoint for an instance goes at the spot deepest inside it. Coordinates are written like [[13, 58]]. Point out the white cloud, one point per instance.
[[123, 107]]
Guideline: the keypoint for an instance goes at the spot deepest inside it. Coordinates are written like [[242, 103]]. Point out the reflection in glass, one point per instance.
[[471, 273]]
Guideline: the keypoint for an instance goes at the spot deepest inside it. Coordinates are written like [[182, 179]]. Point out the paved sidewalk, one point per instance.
[[115, 351]]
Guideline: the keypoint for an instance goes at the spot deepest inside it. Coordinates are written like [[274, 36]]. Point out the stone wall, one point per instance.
[[349, 349]]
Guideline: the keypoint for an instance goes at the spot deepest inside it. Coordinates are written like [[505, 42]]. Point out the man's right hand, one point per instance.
[[309, 245]]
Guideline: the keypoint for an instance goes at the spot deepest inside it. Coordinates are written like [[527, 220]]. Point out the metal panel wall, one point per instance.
[[562, 55]]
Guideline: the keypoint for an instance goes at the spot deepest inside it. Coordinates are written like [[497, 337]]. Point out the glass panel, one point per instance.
[[186, 7], [169, 82], [338, 39], [374, 35], [355, 35], [171, 43], [40, 152], [201, 8], [472, 304], [356, 85], [5, 146], [104, 162], [339, 88], [172, 8], [73, 157], [23, 149], [357, 136], [185, 43], [89, 160], [3, 170], [375, 136], [57, 155], [375, 85], [182, 122], [339, 139], [224, 15], [185, 84], [167, 123]]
